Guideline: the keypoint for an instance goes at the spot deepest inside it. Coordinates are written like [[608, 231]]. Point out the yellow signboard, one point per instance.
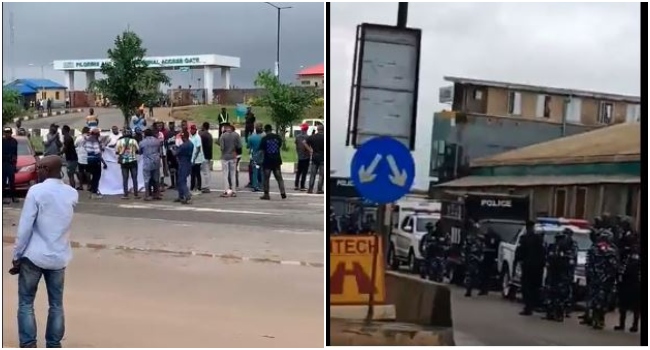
[[351, 272]]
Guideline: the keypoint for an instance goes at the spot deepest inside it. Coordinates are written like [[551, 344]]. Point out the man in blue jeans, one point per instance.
[[184, 154], [42, 248]]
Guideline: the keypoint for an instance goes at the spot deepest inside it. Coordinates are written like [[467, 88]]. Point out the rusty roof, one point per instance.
[[538, 180], [618, 143], [545, 89]]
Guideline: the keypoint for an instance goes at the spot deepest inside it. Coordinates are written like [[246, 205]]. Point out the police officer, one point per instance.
[[558, 260], [604, 272], [334, 222], [433, 247], [473, 256], [571, 249], [629, 287], [593, 235], [531, 254], [489, 264]]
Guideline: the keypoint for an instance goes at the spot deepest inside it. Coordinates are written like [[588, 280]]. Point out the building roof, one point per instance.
[[617, 143], [38, 84], [318, 69], [536, 180], [545, 89], [20, 87]]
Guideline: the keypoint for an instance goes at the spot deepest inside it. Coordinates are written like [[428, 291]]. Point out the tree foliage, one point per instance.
[[11, 107], [129, 82], [287, 103]]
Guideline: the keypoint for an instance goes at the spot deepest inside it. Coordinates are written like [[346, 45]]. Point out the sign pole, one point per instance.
[[402, 15]]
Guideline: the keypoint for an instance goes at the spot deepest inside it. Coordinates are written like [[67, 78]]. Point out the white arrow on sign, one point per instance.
[[368, 174], [398, 178]]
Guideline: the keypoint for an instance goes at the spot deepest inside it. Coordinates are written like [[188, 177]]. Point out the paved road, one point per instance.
[[244, 227], [493, 321], [136, 299], [107, 118]]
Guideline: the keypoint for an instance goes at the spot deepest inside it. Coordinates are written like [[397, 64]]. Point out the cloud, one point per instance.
[[590, 46], [55, 31]]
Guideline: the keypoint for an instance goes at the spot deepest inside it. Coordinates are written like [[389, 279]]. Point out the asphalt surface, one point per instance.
[[492, 321], [136, 299], [288, 229]]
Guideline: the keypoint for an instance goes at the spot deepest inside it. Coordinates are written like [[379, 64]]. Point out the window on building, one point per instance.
[[478, 94], [581, 203], [305, 82], [514, 103], [57, 95], [43, 95], [606, 113], [547, 106], [560, 202]]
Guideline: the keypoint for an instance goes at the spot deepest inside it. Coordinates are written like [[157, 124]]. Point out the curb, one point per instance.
[[76, 244], [39, 116]]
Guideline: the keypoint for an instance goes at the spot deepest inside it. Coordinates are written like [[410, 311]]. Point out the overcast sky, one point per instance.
[[571, 45], [45, 32]]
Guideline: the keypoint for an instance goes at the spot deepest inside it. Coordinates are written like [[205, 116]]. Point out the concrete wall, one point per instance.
[[419, 301], [234, 96], [483, 136], [315, 81], [54, 94]]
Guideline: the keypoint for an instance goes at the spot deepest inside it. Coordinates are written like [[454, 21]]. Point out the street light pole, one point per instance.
[[277, 56]]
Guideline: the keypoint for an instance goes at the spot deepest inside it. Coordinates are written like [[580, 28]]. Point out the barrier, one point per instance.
[[358, 333], [419, 301]]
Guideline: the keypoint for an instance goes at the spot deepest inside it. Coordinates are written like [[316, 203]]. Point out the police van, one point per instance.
[[549, 227], [409, 220], [503, 213]]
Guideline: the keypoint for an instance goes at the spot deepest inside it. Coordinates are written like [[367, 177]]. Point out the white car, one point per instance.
[[312, 126], [409, 225], [511, 276]]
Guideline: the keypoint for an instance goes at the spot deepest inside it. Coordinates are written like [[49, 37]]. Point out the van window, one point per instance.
[[422, 224], [507, 231]]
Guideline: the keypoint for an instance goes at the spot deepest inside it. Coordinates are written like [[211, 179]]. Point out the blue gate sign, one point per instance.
[[382, 170]]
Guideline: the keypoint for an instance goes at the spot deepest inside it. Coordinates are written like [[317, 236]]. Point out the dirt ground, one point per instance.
[[123, 299]]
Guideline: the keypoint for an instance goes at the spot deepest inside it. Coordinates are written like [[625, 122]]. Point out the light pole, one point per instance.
[[277, 57]]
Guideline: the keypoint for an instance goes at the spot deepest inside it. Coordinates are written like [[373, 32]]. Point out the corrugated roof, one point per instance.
[[617, 143], [41, 84], [534, 180], [318, 69], [545, 89], [22, 88]]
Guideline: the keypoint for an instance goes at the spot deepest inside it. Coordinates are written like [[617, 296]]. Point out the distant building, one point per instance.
[[557, 105], [489, 118], [39, 89], [312, 76], [580, 176]]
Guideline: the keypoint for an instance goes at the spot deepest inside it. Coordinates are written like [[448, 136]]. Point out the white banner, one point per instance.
[[110, 182]]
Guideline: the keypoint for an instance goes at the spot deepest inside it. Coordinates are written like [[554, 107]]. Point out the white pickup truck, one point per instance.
[[511, 276], [409, 222]]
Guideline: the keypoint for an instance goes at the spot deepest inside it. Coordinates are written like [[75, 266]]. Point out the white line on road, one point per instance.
[[185, 208]]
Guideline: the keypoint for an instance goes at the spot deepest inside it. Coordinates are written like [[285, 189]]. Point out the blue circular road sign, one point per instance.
[[382, 170]]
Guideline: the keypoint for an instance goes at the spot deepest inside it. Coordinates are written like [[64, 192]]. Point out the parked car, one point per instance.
[[549, 227], [26, 174]]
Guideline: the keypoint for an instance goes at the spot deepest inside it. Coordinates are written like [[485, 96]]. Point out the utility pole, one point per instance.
[[12, 42], [277, 56]]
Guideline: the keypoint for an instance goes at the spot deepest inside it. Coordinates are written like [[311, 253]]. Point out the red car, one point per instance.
[[26, 174]]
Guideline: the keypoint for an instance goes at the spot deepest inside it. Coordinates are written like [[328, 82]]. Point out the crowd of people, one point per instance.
[[612, 269], [176, 154]]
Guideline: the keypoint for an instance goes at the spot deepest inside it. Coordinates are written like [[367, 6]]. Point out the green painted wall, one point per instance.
[[623, 168]]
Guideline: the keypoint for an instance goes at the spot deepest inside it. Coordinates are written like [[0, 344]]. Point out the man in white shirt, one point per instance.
[[113, 137], [42, 248], [82, 155]]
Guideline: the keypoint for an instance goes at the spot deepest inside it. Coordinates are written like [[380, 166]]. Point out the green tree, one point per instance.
[[11, 107], [287, 103], [129, 82]]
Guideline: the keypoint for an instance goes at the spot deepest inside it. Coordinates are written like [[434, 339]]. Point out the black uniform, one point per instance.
[[629, 289], [9, 162], [559, 257], [433, 247], [491, 243], [531, 254]]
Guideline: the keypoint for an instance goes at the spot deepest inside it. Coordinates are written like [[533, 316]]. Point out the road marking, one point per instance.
[[298, 194], [75, 244], [186, 208]]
